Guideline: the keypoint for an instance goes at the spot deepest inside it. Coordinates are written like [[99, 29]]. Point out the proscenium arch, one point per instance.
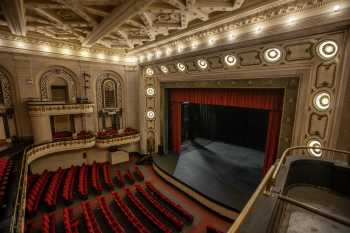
[[120, 91], [58, 72]]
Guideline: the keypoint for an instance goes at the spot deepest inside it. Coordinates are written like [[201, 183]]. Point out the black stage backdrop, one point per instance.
[[239, 126]]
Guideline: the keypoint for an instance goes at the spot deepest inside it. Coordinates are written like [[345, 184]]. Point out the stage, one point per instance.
[[223, 173]]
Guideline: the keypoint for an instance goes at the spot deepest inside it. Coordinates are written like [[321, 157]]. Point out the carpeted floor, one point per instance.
[[202, 216], [224, 172]]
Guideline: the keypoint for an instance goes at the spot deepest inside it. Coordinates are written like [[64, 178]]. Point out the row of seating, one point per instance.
[[139, 173], [51, 193], [90, 219], [83, 183], [5, 171], [48, 223], [70, 225], [166, 213], [211, 229], [129, 214], [107, 176], [96, 178], [147, 213], [129, 176], [119, 178], [177, 207], [107, 213], [68, 184], [35, 193]]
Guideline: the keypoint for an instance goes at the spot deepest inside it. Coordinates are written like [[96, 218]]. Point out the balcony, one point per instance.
[[112, 138], [41, 150], [37, 108]]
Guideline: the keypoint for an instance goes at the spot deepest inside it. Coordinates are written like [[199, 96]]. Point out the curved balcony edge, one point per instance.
[[44, 149], [59, 109], [117, 141]]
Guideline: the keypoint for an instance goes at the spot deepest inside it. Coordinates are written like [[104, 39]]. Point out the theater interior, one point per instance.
[[196, 116]]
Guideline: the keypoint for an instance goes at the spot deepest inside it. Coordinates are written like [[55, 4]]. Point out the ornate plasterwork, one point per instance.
[[316, 75], [5, 88], [57, 72], [222, 27], [109, 75]]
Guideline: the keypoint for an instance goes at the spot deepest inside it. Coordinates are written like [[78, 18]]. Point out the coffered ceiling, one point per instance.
[[119, 24]]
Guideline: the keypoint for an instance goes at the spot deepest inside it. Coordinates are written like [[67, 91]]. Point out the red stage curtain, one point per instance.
[[272, 139], [268, 99], [176, 126]]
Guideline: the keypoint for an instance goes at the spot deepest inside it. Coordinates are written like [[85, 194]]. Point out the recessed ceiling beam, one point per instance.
[[14, 13], [118, 17]]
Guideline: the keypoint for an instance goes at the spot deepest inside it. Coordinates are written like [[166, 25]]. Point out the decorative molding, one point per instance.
[[118, 141]]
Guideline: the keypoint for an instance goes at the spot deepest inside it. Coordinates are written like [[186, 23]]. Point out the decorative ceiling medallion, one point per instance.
[[202, 63], [181, 67], [150, 114], [322, 101], [272, 55], [315, 151], [164, 69], [327, 49], [149, 71], [150, 91], [230, 60]]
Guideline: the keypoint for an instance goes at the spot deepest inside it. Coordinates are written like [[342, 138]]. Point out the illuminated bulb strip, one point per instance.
[[322, 101], [230, 60], [150, 91], [202, 63], [272, 55], [149, 71], [181, 67], [164, 69], [315, 152], [150, 114], [327, 49]]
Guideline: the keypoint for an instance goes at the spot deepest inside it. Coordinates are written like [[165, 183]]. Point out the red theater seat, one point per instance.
[[119, 178], [96, 178], [82, 183], [148, 214], [89, 217], [68, 183], [107, 214], [129, 176], [107, 176], [48, 223], [70, 225], [130, 216], [176, 206], [51, 193], [167, 214], [5, 171]]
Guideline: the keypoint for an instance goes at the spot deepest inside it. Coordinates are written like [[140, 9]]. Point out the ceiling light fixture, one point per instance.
[[164, 69], [336, 8], [149, 71], [315, 151], [181, 67], [202, 63], [322, 101], [230, 60], [272, 55], [327, 49]]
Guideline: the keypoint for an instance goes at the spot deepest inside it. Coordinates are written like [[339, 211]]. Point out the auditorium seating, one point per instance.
[[167, 214], [70, 225], [5, 171], [33, 197], [130, 216], [90, 219], [119, 178], [107, 214], [48, 223], [68, 184], [176, 206], [138, 173], [83, 183], [148, 214], [129, 176], [107, 176], [52, 190], [211, 229], [96, 178]]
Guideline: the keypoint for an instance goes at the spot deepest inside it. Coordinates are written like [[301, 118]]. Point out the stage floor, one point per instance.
[[225, 173]]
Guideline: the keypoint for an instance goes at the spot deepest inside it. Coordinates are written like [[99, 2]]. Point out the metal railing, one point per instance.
[[269, 181]]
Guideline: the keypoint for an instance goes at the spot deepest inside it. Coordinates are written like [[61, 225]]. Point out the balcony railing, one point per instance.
[[117, 140], [54, 108]]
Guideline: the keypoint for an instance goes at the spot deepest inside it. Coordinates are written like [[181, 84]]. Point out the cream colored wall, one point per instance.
[[26, 70], [68, 158]]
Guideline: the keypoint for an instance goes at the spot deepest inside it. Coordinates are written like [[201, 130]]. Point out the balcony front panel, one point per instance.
[[117, 141], [59, 109]]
